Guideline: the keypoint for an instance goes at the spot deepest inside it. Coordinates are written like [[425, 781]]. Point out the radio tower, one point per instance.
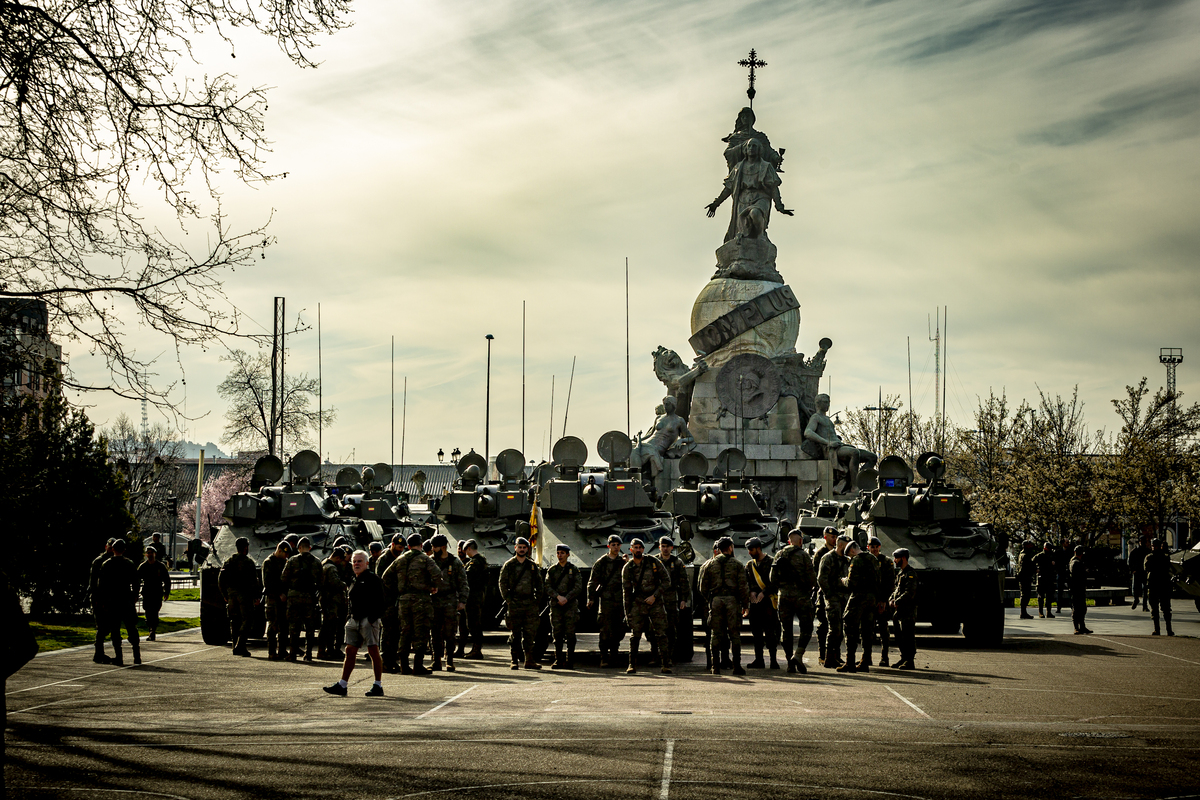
[[1171, 357], [936, 338]]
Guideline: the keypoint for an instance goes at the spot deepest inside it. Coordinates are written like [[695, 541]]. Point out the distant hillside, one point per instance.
[[192, 450]]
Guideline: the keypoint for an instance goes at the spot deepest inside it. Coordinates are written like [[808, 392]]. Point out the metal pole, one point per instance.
[[320, 400], [570, 384], [910, 405], [487, 409], [403, 425], [393, 455], [946, 367], [199, 490], [550, 451], [522, 378], [628, 412]]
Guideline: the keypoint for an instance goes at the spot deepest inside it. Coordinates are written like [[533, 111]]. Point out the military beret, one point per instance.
[[754, 541], [666, 540], [724, 542], [376, 547], [874, 540], [829, 531], [439, 540], [638, 542], [414, 540], [523, 540], [303, 541], [561, 546], [469, 543], [398, 538], [614, 539], [900, 552]]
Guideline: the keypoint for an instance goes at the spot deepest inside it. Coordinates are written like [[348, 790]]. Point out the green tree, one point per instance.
[[63, 500]]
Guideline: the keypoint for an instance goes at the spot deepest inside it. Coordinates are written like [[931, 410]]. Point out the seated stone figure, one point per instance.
[[652, 449], [822, 441]]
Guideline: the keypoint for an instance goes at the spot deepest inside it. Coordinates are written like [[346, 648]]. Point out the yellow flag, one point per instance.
[[535, 538]]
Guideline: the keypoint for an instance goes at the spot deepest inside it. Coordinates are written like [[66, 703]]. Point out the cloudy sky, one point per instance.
[[1033, 166]]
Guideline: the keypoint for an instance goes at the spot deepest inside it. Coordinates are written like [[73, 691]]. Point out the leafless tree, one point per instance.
[[247, 387], [102, 106], [149, 462]]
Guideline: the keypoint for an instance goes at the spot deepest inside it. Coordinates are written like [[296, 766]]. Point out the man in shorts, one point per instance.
[[363, 624]]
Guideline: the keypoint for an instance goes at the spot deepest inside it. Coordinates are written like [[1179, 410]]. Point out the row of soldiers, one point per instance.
[[429, 596], [115, 585]]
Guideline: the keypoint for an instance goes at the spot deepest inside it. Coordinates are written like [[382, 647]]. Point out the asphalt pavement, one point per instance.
[[1050, 714]]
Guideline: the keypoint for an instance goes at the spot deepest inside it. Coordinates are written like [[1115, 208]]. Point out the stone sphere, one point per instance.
[[775, 337]]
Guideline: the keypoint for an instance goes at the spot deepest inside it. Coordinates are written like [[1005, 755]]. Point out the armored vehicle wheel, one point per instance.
[[214, 626], [985, 628]]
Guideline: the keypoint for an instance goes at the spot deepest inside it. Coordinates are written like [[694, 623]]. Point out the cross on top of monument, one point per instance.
[[753, 62]]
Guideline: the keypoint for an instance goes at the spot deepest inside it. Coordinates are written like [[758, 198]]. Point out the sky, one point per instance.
[[1033, 167]]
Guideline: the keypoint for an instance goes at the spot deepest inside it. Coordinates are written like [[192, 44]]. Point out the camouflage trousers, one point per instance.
[[275, 612], [859, 622], [835, 608], [523, 621], [612, 627], [239, 607], [333, 622], [301, 616], [562, 622], [651, 620], [725, 619], [390, 643], [906, 636], [416, 616], [791, 608], [444, 627]]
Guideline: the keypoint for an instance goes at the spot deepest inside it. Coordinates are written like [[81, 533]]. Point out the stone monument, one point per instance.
[[748, 387]]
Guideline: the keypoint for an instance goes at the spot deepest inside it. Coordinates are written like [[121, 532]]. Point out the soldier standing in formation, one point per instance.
[[118, 587], [1047, 572], [413, 579], [238, 582], [447, 604], [1137, 573], [793, 575], [98, 602], [887, 581], [764, 602], [391, 618], [604, 587], [462, 611], [376, 550], [302, 576], [723, 583], [1025, 573], [903, 603], [858, 620], [476, 570], [828, 545], [1077, 571], [644, 582], [834, 567], [1158, 584], [333, 605], [675, 599], [275, 601], [156, 588], [564, 585], [522, 589]]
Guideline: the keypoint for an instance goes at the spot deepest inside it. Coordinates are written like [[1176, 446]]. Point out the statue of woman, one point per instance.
[[754, 185]]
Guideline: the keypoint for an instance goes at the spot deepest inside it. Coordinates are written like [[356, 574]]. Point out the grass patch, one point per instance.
[[58, 633], [185, 594]]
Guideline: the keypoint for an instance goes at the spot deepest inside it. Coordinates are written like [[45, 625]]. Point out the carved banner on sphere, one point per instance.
[[750, 314]]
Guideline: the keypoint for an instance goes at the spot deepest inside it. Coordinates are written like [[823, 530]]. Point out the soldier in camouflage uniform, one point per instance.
[[155, 580], [676, 600], [903, 603], [414, 579], [858, 620], [476, 569], [604, 587], [883, 612], [1046, 565], [333, 605], [829, 545], [522, 589], [275, 601], [793, 574], [238, 581], [302, 576], [390, 643], [834, 567], [1025, 573], [764, 616], [97, 602], [723, 584], [644, 581], [118, 587], [564, 584], [447, 604]]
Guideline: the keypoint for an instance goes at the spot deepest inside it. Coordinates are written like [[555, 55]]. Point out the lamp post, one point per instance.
[[487, 409]]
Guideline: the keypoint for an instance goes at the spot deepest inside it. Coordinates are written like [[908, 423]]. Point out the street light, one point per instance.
[[487, 410], [455, 454], [441, 455]]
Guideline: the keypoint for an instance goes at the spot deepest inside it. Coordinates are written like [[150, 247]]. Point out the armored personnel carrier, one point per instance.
[[493, 513], [819, 515], [1185, 570], [960, 579], [303, 505]]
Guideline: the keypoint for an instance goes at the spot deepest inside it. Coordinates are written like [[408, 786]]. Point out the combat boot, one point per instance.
[[847, 667], [531, 661], [137, 652], [883, 658], [271, 638], [308, 648], [1050, 614], [774, 660], [906, 665], [821, 647], [436, 666], [633, 653], [476, 652], [118, 662], [449, 662], [758, 662], [791, 665], [604, 662], [419, 664], [558, 656], [100, 657], [405, 669], [798, 663], [151, 636], [570, 655], [1041, 613]]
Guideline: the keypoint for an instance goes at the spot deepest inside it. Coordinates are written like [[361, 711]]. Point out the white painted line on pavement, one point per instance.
[[668, 756], [446, 702], [908, 702], [107, 671], [1144, 650]]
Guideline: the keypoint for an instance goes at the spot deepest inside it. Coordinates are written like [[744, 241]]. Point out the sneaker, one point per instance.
[[337, 689], [375, 691]]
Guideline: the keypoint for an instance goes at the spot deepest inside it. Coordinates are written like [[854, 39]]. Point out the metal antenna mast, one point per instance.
[[1170, 357], [936, 338], [879, 409], [753, 62], [275, 435]]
